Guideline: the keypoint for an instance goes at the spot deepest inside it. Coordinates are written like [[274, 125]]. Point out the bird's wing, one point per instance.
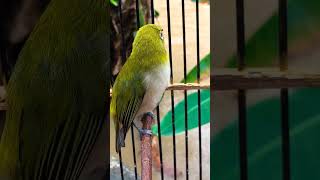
[[63, 153], [55, 113], [128, 95]]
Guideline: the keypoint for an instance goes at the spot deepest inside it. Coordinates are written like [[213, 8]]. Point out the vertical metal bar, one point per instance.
[[107, 118], [172, 92], [160, 143], [283, 56], [152, 11], [185, 91], [123, 45], [132, 130], [283, 39], [138, 14], [121, 167], [134, 154], [199, 95], [240, 34], [285, 134], [158, 109], [123, 56], [243, 134], [241, 92]]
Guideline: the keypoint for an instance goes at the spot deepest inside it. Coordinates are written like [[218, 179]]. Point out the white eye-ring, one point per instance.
[[161, 35]]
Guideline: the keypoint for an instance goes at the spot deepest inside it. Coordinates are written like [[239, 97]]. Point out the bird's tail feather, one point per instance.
[[120, 136]]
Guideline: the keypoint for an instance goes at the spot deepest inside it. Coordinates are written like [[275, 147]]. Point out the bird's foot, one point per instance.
[[143, 131], [150, 114]]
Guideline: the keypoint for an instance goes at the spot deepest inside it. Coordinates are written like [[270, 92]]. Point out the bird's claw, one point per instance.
[[151, 115], [143, 131]]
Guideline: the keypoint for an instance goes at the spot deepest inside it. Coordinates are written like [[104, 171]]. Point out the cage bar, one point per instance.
[[134, 154], [123, 56], [185, 91], [121, 166], [158, 108], [199, 95], [241, 92], [152, 11], [137, 14], [160, 143], [172, 92], [284, 95]]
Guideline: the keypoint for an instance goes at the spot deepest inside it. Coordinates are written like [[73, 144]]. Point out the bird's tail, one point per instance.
[[120, 136]]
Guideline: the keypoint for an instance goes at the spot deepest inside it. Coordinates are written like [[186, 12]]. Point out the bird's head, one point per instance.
[[155, 31], [149, 38]]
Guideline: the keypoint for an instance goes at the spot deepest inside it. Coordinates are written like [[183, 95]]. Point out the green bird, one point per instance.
[[141, 82], [57, 94]]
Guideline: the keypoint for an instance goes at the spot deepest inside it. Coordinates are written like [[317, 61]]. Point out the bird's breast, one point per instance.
[[156, 82]]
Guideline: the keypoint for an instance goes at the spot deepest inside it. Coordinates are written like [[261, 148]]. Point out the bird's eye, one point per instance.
[[161, 35]]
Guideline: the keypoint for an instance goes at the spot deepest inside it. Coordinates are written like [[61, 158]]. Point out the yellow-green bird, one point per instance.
[[141, 82]]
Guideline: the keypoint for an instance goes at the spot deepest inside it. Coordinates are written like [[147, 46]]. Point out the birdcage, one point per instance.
[[183, 88], [244, 79]]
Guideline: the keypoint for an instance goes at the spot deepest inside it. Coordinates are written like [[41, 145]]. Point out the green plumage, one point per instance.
[[57, 93], [130, 88]]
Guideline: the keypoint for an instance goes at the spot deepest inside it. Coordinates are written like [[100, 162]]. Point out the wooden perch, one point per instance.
[[261, 78], [183, 86], [188, 86], [146, 149]]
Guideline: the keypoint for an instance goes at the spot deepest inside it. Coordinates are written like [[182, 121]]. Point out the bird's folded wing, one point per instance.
[[65, 151], [129, 99]]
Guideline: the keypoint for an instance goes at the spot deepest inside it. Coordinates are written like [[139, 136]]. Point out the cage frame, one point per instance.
[[242, 79]]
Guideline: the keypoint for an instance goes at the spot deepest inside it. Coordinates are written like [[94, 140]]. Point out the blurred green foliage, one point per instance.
[[264, 140], [204, 70], [179, 114]]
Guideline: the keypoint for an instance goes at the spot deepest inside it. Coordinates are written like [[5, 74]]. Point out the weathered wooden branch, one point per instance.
[[232, 79], [188, 86], [183, 86], [146, 149]]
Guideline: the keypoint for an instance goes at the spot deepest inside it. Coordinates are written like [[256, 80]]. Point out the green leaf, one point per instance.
[[114, 2], [166, 122], [264, 140], [156, 13], [303, 27], [204, 70]]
